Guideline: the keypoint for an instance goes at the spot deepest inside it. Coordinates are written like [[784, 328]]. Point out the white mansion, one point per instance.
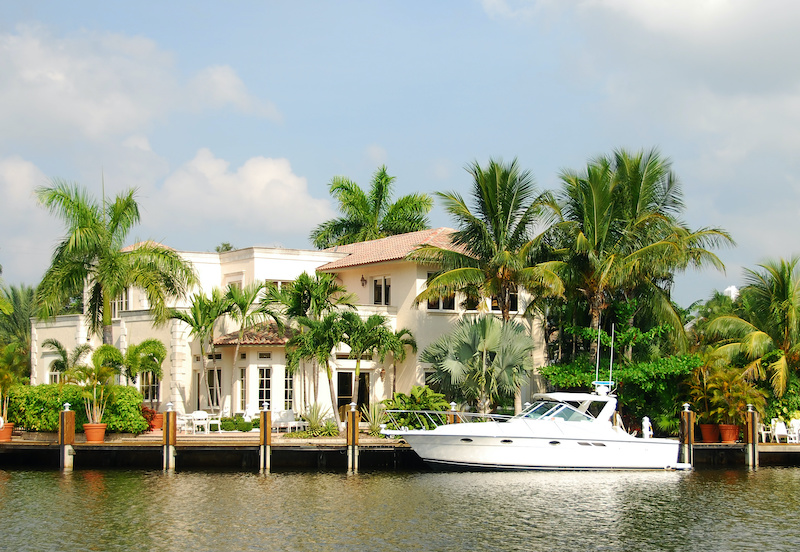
[[376, 272]]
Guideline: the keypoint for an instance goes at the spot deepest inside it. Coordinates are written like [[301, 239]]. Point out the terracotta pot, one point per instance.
[[95, 433], [729, 433], [158, 421], [5, 433], [709, 432]]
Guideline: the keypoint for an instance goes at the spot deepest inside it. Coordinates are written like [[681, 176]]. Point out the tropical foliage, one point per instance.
[[96, 380], [765, 334], [92, 255], [481, 361], [369, 215]]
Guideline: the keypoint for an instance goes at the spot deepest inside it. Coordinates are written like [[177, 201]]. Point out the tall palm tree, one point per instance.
[[313, 297], [617, 228], [371, 336], [91, 255], [494, 250], [768, 332], [201, 319], [483, 359], [250, 305], [16, 325], [146, 357], [318, 342], [371, 215]]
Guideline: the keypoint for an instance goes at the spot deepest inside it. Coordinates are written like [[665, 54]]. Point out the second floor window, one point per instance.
[[381, 291], [513, 303], [119, 304], [442, 303]]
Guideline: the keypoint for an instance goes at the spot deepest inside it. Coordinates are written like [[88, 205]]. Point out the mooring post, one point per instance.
[[170, 438], [265, 439], [751, 437], [353, 419], [451, 416], [687, 434], [66, 438]]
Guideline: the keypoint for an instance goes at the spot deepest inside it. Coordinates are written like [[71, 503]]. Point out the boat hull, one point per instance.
[[501, 448]]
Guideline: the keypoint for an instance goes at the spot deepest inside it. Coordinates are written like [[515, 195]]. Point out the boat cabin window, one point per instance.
[[547, 410]]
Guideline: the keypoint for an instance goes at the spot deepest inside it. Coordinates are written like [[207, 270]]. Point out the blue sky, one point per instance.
[[232, 118]]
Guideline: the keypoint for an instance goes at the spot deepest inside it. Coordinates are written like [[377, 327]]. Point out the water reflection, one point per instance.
[[120, 510]]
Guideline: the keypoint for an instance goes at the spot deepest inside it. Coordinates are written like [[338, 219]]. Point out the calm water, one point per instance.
[[134, 510]]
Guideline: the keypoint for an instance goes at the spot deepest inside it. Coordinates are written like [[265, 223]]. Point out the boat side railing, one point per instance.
[[429, 419]]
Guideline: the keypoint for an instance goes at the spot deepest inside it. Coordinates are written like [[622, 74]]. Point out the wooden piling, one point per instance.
[[265, 441], [351, 429], [169, 440], [751, 438], [687, 436], [66, 438]]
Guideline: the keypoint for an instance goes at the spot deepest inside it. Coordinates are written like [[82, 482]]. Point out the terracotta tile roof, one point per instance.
[[391, 248], [137, 245], [260, 334]]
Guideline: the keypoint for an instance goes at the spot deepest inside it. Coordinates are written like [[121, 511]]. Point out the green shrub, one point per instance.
[[228, 424], [241, 425], [419, 398], [36, 408]]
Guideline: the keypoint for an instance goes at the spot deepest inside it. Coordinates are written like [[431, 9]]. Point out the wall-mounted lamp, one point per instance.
[[363, 281]]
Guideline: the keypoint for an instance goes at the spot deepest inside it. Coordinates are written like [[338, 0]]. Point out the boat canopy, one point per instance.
[[572, 407]]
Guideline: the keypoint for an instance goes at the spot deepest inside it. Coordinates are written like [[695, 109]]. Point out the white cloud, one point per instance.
[[98, 85], [28, 231], [260, 201]]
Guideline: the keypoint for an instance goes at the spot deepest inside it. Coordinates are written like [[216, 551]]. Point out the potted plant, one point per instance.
[[730, 395], [147, 358], [97, 382], [12, 365], [701, 401]]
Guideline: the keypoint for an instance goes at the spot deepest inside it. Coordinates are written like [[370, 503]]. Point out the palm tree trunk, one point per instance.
[[108, 337], [357, 377], [333, 395]]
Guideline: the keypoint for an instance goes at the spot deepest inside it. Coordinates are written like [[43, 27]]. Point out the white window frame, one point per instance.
[[384, 285]]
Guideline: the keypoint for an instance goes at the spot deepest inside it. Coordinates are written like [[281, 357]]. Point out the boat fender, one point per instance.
[[647, 428]]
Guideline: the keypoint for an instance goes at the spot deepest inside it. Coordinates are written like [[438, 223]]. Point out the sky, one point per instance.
[[231, 118]]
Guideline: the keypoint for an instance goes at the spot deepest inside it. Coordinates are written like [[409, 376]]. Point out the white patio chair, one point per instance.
[[765, 432], [216, 420], [780, 432], [772, 424], [794, 431], [183, 423], [200, 421]]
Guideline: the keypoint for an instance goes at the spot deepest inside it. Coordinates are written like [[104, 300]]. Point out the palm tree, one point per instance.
[[482, 360], [371, 215], [67, 360], [201, 319], [91, 255], [313, 297], [768, 332], [617, 228], [15, 326], [371, 336], [494, 247], [250, 305], [97, 380], [146, 357], [399, 341], [317, 342]]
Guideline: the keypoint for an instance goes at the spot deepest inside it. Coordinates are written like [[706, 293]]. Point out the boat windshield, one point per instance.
[[548, 410]]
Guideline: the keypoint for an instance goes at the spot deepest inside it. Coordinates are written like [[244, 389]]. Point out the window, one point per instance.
[[149, 386], [442, 303], [288, 395], [119, 304], [264, 391], [243, 389], [243, 356], [214, 386], [381, 291], [215, 356], [263, 355], [55, 377], [513, 302]]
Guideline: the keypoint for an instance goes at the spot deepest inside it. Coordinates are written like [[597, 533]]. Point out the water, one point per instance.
[[135, 510]]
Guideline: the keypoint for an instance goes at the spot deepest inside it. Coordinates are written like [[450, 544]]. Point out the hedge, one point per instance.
[[36, 408]]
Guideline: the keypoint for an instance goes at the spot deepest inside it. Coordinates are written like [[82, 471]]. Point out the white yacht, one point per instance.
[[559, 431]]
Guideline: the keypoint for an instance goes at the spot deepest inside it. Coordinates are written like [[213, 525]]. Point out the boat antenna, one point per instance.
[[611, 362], [597, 360]]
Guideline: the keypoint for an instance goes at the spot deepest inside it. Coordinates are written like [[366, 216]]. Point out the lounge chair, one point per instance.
[[780, 432]]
